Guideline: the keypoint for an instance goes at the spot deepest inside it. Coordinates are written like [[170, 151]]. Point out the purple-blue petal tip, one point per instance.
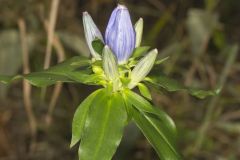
[[120, 34]]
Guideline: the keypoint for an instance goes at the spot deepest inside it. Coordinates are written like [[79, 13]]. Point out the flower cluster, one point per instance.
[[121, 40]]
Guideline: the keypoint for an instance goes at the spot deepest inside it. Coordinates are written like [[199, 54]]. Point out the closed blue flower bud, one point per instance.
[[120, 34]]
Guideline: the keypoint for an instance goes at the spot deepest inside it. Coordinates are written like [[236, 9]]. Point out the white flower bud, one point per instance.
[[91, 33], [142, 69], [139, 32], [110, 67]]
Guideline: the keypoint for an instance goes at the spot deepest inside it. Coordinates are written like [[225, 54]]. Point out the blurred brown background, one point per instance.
[[200, 36]]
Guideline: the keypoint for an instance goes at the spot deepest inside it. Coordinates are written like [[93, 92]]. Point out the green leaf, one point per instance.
[[160, 61], [80, 117], [139, 51], [156, 125], [69, 65], [85, 78], [144, 91], [165, 82], [8, 79], [172, 85], [203, 94], [144, 106], [157, 134], [98, 45], [104, 127], [57, 73], [128, 106], [43, 79], [5, 79]]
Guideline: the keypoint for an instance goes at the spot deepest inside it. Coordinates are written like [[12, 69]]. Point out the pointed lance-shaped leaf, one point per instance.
[[120, 34], [80, 117], [91, 33], [139, 32], [104, 128], [143, 67], [109, 64]]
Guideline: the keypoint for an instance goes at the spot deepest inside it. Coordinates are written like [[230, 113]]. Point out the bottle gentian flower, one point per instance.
[[100, 119], [120, 34]]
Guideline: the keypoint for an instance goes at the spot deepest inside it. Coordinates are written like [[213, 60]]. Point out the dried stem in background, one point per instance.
[[58, 87], [196, 63], [26, 85], [53, 40], [51, 28], [212, 105]]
